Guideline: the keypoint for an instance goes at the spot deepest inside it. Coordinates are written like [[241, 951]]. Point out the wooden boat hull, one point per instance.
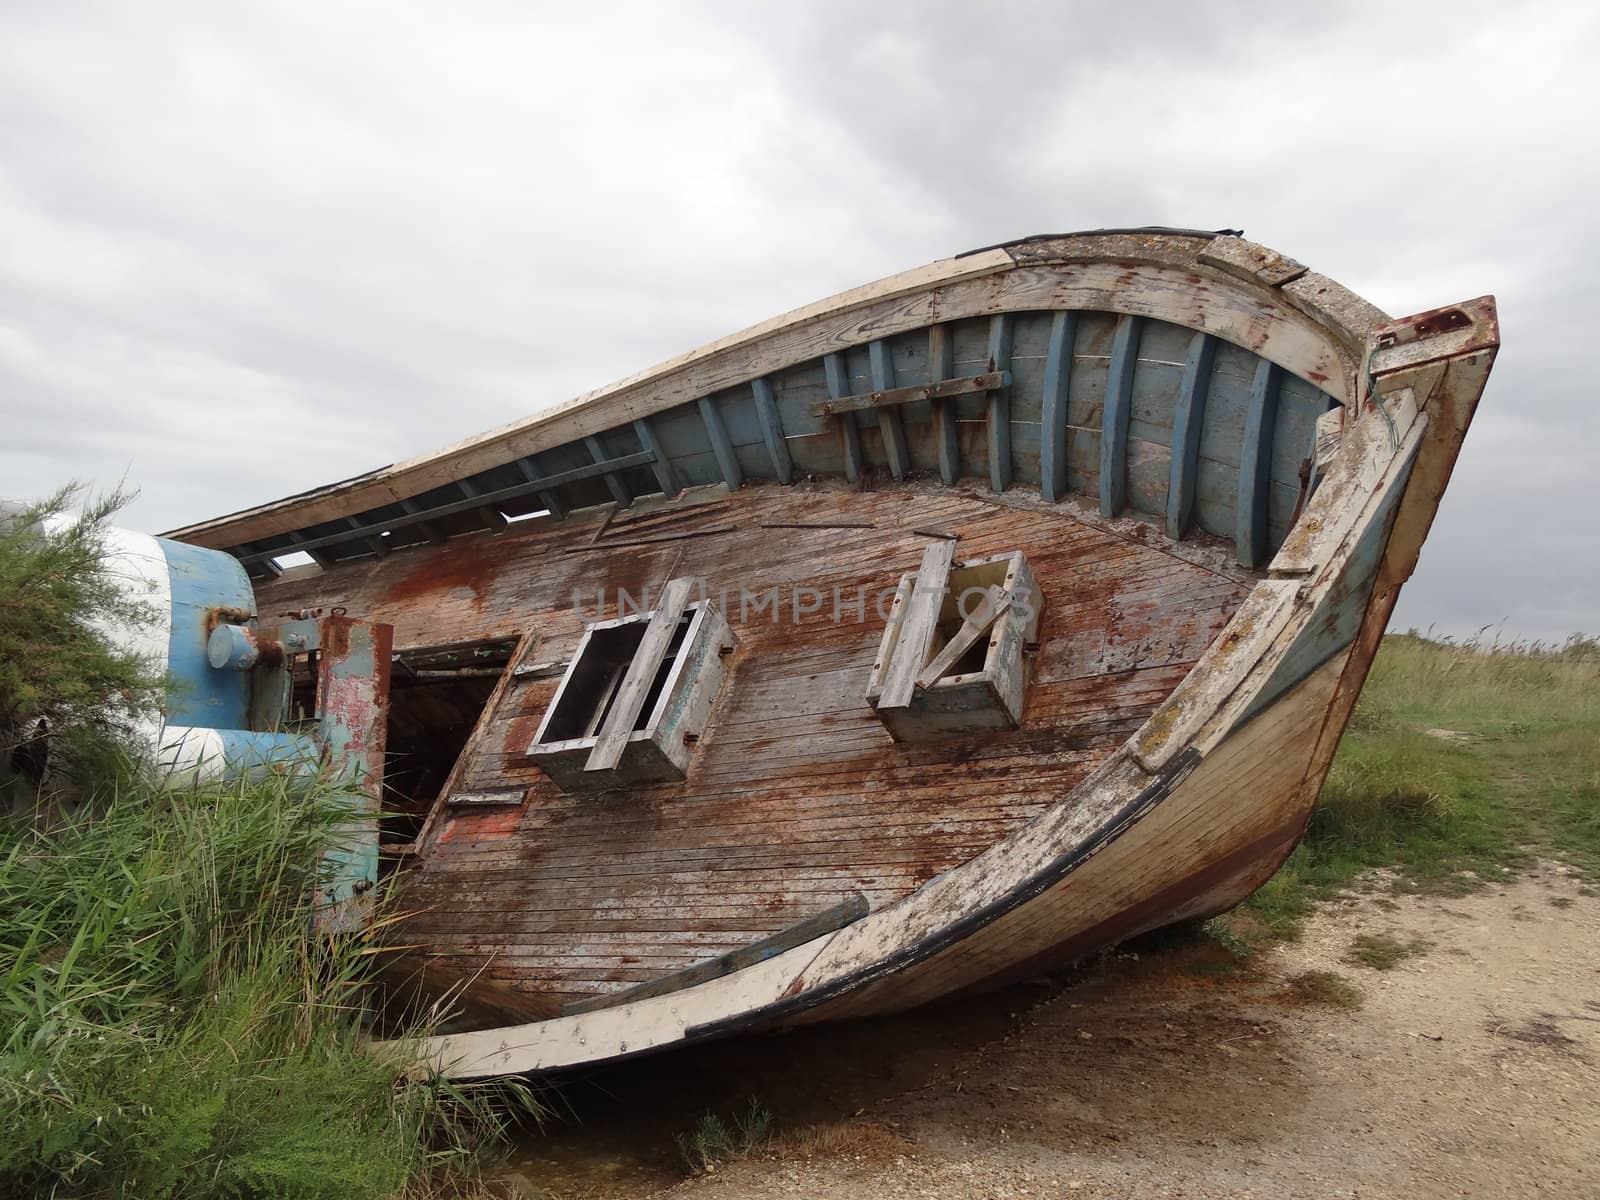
[[1181, 819]]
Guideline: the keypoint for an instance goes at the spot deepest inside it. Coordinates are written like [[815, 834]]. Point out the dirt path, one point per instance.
[[1472, 1068]]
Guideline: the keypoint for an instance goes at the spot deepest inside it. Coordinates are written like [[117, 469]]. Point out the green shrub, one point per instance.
[[60, 678]]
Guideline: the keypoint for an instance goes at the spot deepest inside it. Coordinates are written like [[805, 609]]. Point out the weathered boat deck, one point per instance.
[[797, 797]]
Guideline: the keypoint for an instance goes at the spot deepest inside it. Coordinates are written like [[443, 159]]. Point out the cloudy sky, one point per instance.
[[247, 252]]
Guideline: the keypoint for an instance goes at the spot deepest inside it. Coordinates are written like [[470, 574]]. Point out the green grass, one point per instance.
[[172, 1028], [714, 1141], [1382, 952], [1511, 771]]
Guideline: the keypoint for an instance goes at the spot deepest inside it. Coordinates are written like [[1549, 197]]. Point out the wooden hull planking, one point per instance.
[[1138, 409]]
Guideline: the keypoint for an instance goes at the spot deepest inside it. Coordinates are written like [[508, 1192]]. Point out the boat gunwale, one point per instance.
[[1326, 308]]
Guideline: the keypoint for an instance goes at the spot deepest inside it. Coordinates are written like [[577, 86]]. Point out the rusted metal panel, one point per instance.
[[352, 708]]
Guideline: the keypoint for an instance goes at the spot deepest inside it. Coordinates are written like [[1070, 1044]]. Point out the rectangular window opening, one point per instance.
[[674, 701]]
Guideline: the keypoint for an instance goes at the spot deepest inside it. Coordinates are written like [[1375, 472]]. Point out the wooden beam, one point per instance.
[[1114, 417], [492, 517], [308, 547], [614, 482], [772, 430], [665, 476], [837, 917], [416, 515], [889, 423], [880, 399], [1187, 421], [1255, 467], [1000, 333], [721, 445], [375, 542], [549, 499], [849, 431], [995, 602], [249, 554], [613, 736], [1053, 415], [917, 624], [941, 366]]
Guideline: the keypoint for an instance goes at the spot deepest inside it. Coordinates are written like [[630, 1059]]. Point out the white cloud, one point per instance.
[[247, 251]]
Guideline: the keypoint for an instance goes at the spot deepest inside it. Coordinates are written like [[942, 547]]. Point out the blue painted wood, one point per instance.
[[1255, 468], [619, 490], [772, 430], [550, 500], [889, 422], [492, 517], [429, 530], [1057, 396], [1187, 421], [717, 435], [662, 465], [1333, 625], [941, 366], [849, 431], [1114, 416], [999, 408]]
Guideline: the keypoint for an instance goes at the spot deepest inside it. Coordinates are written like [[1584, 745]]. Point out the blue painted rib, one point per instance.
[[1187, 421], [550, 500], [941, 366], [1255, 467], [772, 430], [662, 466], [492, 517], [203, 580], [614, 484], [889, 422], [1000, 332], [1114, 417], [1053, 415], [849, 432], [721, 446]]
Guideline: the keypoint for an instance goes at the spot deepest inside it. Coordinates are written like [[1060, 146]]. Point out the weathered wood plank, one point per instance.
[[416, 515], [549, 499], [1255, 466], [889, 422], [838, 379], [1187, 421], [941, 367], [891, 397], [772, 429], [1053, 414], [916, 624], [844, 913], [1114, 419], [995, 602], [1001, 332], [614, 484], [721, 446], [491, 516], [613, 736], [661, 465]]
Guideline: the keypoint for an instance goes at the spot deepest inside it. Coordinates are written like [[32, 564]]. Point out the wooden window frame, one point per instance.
[[917, 709], [661, 750]]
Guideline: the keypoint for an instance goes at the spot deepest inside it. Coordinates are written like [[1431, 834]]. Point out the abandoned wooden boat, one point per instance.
[[913, 642]]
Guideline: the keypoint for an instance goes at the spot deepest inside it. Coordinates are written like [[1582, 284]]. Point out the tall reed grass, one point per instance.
[[173, 1029]]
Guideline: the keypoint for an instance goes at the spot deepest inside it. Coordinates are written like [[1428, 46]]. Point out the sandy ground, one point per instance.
[[1472, 1068]]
